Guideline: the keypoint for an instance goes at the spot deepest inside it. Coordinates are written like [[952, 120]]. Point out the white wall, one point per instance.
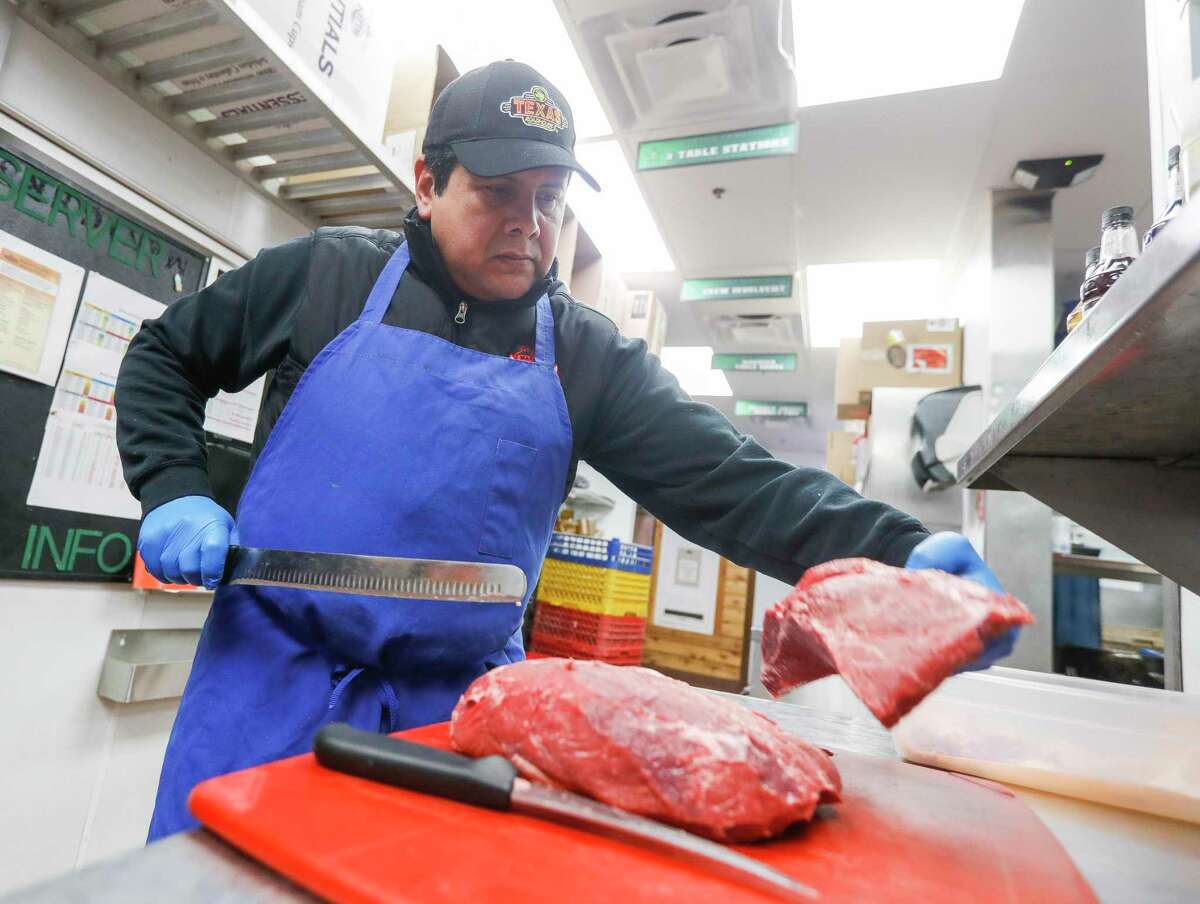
[[767, 592], [969, 289], [615, 522], [1189, 633], [78, 774]]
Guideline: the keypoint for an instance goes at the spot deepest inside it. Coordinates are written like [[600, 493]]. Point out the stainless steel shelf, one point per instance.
[[148, 53], [1093, 567], [148, 664], [1108, 429], [590, 499]]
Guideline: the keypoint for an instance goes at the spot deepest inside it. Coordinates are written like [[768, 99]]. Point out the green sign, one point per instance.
[[111, 552], [762, 363], [736, 288], [747, 408], [41, 197], [718, 147]]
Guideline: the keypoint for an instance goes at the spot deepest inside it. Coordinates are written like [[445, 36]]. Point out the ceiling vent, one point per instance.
[[669, 62], [756, 329]]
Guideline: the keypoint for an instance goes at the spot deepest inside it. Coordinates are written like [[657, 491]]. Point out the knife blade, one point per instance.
[[493, 782], [424, 579]]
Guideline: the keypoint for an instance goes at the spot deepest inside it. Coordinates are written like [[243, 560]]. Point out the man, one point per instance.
[[430, 397]]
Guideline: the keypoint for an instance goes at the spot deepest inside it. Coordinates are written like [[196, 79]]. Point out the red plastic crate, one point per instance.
[[585, 635], [629, 658], [588, 628], [568, 646]]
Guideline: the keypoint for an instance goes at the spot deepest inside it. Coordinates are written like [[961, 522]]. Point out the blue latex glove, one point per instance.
[[185, 541], [954, 553]]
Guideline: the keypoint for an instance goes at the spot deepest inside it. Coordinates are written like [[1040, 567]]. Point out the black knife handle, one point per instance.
[[484, 782], [232, 555]]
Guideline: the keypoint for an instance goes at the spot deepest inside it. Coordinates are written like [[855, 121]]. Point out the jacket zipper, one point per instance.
[[461, 317]]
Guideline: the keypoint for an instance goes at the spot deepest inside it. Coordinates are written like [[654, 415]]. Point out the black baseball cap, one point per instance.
[[505, 118]]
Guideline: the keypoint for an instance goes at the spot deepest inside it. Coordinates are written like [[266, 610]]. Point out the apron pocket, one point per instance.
[[504, 516]]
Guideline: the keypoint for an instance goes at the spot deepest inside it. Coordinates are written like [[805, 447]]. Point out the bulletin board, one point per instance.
[[63, 217]]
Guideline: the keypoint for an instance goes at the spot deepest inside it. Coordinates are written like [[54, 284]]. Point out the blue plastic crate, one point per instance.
[[601, 553]]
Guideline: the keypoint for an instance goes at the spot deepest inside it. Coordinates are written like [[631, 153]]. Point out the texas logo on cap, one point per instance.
[[535, 108]]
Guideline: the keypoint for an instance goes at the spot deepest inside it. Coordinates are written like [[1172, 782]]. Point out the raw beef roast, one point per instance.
[[893, 634], [645, 743]]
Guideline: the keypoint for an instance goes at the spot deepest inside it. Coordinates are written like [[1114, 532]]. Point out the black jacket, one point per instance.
[[679, 458]]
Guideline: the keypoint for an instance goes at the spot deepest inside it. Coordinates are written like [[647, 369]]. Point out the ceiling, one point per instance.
[[893, 177]]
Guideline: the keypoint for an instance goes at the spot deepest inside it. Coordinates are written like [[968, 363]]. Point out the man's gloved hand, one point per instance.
[[954, 553], [185, 541]]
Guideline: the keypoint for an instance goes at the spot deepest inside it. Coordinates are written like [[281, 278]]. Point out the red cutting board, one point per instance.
[[902, 833]]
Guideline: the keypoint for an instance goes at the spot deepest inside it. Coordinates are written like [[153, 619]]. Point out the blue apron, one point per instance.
[[394, 443]]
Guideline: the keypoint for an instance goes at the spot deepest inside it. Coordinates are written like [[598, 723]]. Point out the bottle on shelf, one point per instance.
[[1174, 196], [1090, 262], [1118, 249]]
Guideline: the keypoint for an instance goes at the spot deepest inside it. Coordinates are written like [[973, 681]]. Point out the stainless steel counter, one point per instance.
[[1126, 856]]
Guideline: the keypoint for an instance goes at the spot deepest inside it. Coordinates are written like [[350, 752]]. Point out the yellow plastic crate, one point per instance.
[[588, 588]]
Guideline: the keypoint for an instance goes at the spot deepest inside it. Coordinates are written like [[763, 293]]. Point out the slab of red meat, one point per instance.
[[646, 743], [892, 634]]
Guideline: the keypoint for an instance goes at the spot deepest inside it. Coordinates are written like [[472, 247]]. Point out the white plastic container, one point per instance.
[[1126, 746]]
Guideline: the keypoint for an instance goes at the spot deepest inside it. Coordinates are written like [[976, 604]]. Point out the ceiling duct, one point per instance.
[[671, 61], [756, 329]]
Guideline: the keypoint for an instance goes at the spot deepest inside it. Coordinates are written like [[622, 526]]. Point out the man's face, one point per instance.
[[496, 235]]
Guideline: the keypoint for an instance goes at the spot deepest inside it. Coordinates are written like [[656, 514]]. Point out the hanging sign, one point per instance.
[[736, 288], [42, 197], [347, 46], [760, 363], [718, 147], [748, 408]]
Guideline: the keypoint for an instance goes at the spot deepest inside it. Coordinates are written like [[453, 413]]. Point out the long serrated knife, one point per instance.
[[422, 579], [493, 782]]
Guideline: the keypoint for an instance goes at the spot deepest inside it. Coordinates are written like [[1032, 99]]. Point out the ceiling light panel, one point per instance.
[[617, 218], [842, 297], [529, 31], [692, 367], [871, 48]]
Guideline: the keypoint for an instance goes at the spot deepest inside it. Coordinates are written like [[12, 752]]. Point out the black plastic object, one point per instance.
[[1056, 172], [485, 782], [1116, 216], [933, 415]]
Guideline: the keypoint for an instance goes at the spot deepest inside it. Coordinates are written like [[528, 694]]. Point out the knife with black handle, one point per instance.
[[493, 782]]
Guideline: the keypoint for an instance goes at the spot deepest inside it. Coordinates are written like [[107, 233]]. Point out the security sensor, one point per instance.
[[1056, 172]]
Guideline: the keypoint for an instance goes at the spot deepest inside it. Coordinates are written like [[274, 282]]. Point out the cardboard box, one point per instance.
[[853, 404], [839, 456], [646, 319], [898, 353]]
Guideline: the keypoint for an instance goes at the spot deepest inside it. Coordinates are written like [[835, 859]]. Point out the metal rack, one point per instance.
[[1092, 567], [306, 154], [147, 664], [1107, 431]]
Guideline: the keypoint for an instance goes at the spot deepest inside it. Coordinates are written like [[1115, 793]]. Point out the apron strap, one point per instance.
[[544, 333], [389, 280], [385, 286], [389, 702]]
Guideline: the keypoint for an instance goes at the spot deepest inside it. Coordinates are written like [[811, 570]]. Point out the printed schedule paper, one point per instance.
[[235, 414], [38, 291], [78, 467]]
